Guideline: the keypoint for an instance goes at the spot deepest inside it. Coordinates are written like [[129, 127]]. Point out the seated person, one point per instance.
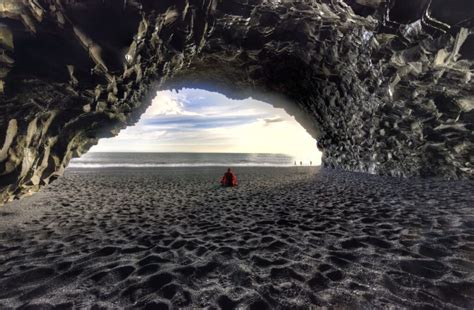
[[229, 179]]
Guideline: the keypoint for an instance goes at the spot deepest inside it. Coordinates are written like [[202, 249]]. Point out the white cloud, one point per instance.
[[168, 103], [164, 128]]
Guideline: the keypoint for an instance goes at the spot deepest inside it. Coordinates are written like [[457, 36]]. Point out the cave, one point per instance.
[[384, 87]]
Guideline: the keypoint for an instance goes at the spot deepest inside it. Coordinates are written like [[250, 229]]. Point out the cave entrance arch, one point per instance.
[[389, 94], [200, 121]]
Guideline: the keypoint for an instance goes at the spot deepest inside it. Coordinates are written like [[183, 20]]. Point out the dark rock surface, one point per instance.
[[384, 86]]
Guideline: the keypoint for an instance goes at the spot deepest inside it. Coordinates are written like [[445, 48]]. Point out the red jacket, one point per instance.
[[229, 179]]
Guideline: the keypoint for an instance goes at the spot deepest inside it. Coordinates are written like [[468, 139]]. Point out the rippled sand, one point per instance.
[[286, 238]]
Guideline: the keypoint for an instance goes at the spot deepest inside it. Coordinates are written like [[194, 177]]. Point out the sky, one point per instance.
[[194, 120]]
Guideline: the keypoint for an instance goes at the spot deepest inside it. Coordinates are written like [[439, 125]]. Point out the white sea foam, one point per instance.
[[156, 160], [127, 165]]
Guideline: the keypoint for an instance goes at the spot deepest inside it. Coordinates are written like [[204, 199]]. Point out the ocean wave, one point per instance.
[[129, 165]]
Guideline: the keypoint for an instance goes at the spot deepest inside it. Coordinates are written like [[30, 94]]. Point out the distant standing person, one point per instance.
[[310, 163], [229, 179], [301, 163]]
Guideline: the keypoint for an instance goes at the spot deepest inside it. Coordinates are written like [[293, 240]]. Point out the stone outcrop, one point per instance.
[[385, 87]]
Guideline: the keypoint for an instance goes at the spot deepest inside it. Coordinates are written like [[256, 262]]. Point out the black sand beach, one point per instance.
[[286, 238]]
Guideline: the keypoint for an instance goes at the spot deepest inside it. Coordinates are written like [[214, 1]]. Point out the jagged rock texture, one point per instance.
[[384, 87]]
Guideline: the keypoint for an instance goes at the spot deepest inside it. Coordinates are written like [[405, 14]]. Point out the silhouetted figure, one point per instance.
[[301, 163], [310, 163], [229, 179]]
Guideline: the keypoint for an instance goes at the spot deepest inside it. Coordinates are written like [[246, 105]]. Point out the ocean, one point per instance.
[[150, 160]]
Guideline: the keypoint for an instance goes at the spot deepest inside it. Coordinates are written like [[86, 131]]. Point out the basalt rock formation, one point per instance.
[[384, 86]]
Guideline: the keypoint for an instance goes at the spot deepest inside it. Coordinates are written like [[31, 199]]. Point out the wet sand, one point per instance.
[[286, 238]]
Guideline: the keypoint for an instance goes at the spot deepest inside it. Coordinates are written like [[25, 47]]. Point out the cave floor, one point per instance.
[[286, 238]]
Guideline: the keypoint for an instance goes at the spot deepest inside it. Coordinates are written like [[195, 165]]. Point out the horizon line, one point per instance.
[[165, 152]]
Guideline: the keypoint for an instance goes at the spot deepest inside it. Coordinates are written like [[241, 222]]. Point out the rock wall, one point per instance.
[[385, 87]]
